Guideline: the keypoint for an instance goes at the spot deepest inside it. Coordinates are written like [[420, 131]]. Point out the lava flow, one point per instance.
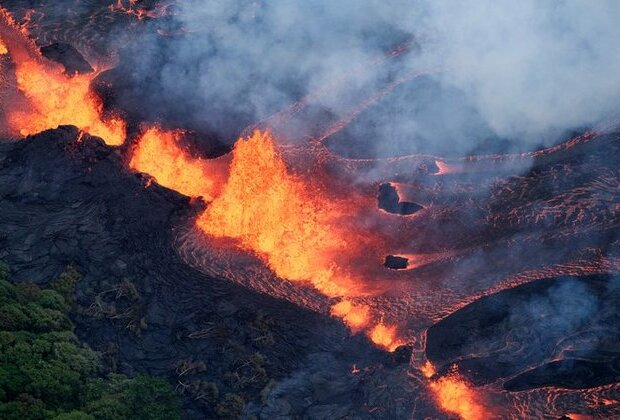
[[287, 221], [160, 154], [281, 217], [455, 396], [295, 229], [52, 97]]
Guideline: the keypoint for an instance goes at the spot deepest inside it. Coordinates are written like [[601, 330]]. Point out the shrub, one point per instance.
[[46, 373]]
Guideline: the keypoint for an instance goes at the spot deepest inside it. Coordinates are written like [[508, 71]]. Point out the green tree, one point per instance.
[[46, 373]]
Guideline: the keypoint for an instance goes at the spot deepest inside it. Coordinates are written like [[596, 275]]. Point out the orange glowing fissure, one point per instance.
[[454, 395], [269, 211], [254, 198], [52, 97]]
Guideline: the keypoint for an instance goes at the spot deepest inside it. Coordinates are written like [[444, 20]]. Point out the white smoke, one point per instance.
[[526, 71]]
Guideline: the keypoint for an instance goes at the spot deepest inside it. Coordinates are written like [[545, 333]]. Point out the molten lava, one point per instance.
[[57, 99], [52, 97], [385, 336], [453, 395], [294, 228], [355, 316], [427, 369], [280, 217], [160, 154]]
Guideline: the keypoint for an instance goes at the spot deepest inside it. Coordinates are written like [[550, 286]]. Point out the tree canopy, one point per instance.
[[46, 373]]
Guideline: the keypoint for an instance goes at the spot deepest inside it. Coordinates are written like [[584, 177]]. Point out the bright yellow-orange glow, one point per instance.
[[56, 99], [278, 216], [355, 316], [453, 395], [3, 49], [385, 336], [159, 154], [428, 369], [51, 97], [290, 224]]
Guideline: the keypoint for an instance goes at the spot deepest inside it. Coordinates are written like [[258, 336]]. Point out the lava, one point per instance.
[[427, 369], [355, 316], [294, 228], [453, 395], [385, 336], [57, 99], [281, 217], [52, 97], [160, 154], [284, 219], [132, 9]]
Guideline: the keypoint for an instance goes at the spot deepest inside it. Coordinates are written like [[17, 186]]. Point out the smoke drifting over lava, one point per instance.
[[432, 135], [522, 73]]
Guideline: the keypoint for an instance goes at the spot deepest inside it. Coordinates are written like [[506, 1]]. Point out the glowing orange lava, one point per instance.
[[385, 336], [428, 370], [3, 49], [355, 316], [268, 211], [453, 395], [53, 98], [293, 227], [280, 217], [160, 154], [56, 99]]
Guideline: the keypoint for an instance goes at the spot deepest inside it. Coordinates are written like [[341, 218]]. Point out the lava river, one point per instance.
[[300, 223]]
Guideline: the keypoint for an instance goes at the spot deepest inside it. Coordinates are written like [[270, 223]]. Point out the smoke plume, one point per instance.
[[503, 75]]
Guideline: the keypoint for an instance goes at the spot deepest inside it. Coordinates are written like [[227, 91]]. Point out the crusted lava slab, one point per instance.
[[560, 332]]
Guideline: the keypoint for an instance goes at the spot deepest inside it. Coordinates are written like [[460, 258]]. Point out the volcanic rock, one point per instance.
[[574, 313], [395, 262], [68, 56], [389, 201]]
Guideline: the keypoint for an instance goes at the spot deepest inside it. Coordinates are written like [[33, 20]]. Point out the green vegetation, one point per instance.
[[45, 373]]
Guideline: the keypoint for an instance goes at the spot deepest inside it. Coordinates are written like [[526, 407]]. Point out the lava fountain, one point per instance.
[[51, 97], [160, 154], [286, 220]]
